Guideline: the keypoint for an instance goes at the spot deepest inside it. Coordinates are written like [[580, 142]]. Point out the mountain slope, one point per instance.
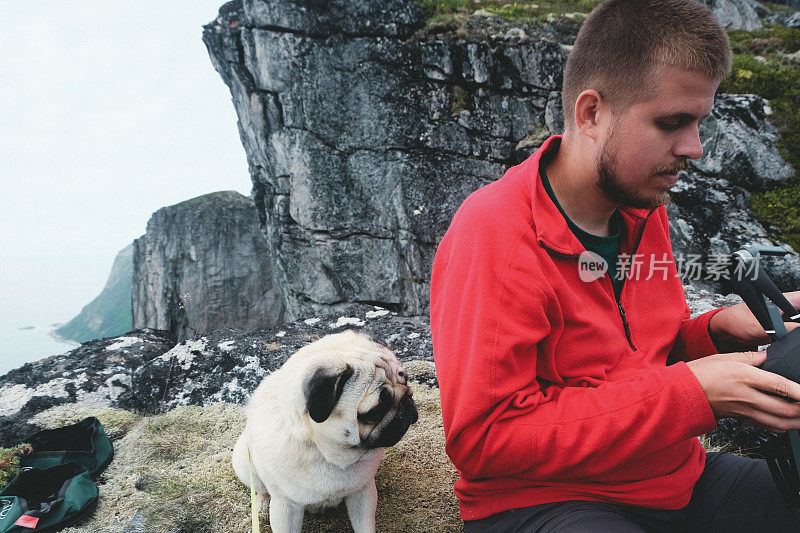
[[109, 314]]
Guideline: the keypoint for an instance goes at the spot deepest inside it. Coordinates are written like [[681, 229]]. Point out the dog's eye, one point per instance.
[[377, 413]]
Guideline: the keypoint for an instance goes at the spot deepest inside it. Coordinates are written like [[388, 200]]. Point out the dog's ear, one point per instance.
[[323, 390]]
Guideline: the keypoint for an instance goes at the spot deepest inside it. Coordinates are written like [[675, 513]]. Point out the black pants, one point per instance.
[[733, 495]]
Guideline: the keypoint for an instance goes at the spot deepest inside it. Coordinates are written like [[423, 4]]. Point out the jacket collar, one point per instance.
[[549, 224]]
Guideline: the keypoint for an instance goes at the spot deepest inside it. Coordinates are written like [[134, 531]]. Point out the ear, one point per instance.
[[586, 111], [323, 390]]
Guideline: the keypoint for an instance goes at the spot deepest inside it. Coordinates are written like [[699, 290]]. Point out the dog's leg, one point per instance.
[[240, 460], [361, 508], [285, 516], [241, 467]]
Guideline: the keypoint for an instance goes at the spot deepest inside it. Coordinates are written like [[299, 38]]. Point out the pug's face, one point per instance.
[[357, 395]]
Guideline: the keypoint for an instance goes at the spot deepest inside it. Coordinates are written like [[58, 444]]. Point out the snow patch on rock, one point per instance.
[[122, 342], [346, 321]]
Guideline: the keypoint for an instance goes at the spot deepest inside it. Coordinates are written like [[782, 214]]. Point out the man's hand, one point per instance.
[[735, 387], [736, 329]]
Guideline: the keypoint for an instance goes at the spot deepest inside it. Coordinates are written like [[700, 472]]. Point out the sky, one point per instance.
[[108, 112]]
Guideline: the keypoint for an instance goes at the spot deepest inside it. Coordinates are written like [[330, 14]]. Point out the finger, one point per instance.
[[775, 384], [773, 405], [753, 358], [794, 299], [763, 425], [769, 421], [791, 326], [773, 423]]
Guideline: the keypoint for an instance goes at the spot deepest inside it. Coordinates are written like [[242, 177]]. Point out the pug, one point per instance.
[[317, 429]]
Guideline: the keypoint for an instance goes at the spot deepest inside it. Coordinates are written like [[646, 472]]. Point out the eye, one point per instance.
[[377, 413], [668, 126]]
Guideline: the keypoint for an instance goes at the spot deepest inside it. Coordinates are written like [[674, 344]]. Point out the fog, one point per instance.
[[108, 112]]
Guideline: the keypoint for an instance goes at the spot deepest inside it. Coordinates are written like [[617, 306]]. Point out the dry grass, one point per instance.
[[174, 470]]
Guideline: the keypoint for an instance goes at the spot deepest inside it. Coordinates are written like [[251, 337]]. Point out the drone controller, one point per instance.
[[764, 300], [783, 356]]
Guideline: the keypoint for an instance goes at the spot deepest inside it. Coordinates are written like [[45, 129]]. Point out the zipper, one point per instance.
[[626, 325], [623, 315]]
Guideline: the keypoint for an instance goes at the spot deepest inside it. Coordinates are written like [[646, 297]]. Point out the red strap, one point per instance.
[[27, 521]]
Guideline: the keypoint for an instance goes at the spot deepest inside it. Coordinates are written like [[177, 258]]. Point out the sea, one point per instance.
[[23, 343], [38, 292]]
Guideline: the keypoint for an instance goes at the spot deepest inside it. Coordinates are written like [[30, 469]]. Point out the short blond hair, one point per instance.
[[622, 41]]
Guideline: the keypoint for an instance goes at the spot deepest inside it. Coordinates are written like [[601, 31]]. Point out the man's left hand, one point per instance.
[[736, 329]]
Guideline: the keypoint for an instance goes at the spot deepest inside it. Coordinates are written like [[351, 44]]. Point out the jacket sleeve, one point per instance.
[[694, 340], [488, 320]]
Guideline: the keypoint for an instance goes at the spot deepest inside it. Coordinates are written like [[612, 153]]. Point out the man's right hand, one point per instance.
[[736, 387]]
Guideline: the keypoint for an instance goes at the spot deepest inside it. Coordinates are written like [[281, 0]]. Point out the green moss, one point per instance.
[[447, 21], [770, 39], [760, 67], [772, 6], [781, 207], [459, 102]]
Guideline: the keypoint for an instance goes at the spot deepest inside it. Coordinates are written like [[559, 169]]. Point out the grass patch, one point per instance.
[[173, 471], [116, 422], [760, 66], [9, 463], [781, 207], [449, 11]]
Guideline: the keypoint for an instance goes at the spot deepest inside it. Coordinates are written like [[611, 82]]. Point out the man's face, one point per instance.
[[647, 144]]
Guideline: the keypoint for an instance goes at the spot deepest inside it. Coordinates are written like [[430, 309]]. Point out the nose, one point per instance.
[[688, 144]]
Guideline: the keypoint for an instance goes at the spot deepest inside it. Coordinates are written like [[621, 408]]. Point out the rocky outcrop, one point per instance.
[[709, 216], [144, 370], [791, 3], [109, 314], [227, 365], [785, 17], [97, 373], [204, 264], [736, 14], [739, 143], [364, 137]]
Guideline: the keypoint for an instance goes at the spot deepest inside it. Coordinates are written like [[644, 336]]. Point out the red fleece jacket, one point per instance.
[[544, 398]]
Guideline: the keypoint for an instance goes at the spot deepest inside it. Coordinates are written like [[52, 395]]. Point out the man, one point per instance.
[[560, 410]]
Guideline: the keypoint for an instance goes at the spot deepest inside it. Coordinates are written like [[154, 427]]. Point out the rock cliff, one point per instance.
[[365, 129], [363, 136], [204, 264]]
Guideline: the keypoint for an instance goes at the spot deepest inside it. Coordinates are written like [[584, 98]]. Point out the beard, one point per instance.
[[610, 183]]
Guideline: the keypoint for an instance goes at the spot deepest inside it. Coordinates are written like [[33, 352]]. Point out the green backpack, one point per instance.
[[46, 499], [55, 485], [84, 443]]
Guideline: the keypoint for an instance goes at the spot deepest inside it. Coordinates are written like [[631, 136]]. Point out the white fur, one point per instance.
[[298, 463]]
